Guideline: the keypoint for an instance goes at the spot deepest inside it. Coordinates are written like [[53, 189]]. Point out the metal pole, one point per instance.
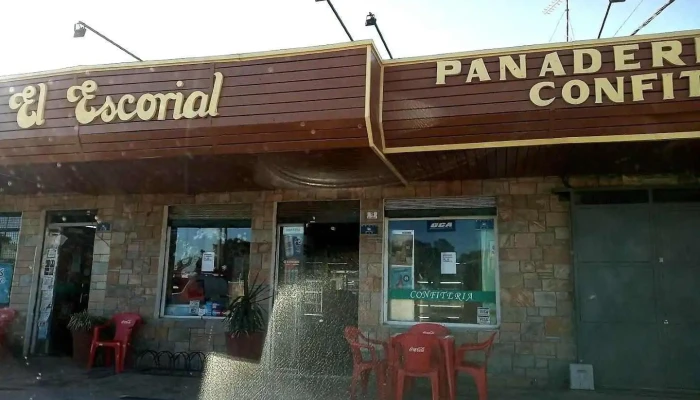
[[604, 18], [376, 25], [656, 14], [109, 40], [567, 20], [340, 20]]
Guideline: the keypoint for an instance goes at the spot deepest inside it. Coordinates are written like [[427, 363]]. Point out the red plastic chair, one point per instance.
[[124, 325], [7, 316], [476, 370], [430, 328], [417, 356], [361, 368]]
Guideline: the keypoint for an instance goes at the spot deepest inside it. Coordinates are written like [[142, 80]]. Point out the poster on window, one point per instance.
[[401, 278], [292, 251], [293, 241], [208, 261], [448, 263], [401, 246], [6, 271]]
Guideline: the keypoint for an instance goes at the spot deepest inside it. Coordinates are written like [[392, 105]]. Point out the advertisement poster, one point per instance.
[[401, 249], [401, 278], [43, 330], [208, 261], [448, 263], [293, 251], [194, 307], [5, 282]]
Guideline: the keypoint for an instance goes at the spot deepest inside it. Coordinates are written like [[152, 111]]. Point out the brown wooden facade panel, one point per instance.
[[535, 58], [374, 101], [419, 112], [284, 101]]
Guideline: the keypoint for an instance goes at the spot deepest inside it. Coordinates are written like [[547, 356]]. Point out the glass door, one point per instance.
[[315, 296], [286, 311]]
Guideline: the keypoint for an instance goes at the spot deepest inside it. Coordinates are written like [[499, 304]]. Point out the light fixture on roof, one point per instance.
[[80, 28], [371, 20], [610, 3]]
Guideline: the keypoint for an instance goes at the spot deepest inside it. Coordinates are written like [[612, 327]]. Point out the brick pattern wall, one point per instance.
[[535, 342]]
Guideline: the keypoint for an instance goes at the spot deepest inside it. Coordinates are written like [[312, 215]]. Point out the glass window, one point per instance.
[[205, 264], [442, 270], [9, 238]]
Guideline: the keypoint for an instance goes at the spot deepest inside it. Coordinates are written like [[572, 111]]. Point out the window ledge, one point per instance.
[[190, 317], [455, 327]]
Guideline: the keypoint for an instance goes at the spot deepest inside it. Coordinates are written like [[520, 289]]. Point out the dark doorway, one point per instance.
[[317, 290], [72, 287]]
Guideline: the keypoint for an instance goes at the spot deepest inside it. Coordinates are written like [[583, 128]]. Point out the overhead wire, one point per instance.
[[656, 14], [571, 26], [628, 17], [557, 26]]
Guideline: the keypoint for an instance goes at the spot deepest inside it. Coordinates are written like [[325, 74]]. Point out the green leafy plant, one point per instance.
[[245, 315], [83, 321]]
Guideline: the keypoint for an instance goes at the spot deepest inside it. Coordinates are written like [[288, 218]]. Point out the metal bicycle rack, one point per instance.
[[169, 363]]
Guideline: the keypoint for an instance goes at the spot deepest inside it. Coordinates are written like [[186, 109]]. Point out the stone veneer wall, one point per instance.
[[535, 343]]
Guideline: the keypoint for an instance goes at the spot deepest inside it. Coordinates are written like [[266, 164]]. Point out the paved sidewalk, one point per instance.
[[60, 379]]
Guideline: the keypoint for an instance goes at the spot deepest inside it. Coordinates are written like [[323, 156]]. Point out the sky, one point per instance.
[[38, 35]]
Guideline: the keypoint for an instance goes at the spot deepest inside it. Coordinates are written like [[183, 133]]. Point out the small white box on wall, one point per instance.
[[581, 376]]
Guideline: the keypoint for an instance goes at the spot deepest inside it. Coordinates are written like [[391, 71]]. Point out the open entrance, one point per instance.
[[317, 282], [64, 279]]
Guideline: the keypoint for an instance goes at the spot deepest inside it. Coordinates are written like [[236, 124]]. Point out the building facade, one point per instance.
[[545, 193]]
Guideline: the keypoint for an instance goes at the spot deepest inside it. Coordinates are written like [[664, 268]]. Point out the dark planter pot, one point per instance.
[[249, 347], [81, 347]]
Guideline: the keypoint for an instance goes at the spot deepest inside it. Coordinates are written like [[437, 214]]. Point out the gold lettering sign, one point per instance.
[[30, 104], [30, 109], [665, 54], [148, 106]]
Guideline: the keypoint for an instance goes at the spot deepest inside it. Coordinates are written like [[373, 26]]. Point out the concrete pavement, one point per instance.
[[60, 379]]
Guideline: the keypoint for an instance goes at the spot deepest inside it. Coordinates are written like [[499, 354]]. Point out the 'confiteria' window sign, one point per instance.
[[30, 104]]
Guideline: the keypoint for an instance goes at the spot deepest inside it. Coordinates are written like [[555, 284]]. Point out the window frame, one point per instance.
[[163, 269], [19, 215], [457, 326]]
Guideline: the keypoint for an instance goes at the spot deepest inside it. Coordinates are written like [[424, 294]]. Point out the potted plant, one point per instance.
[[81, 325], [245, 322]]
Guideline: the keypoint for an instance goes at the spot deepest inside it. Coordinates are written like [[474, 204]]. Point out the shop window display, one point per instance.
[[205, 266], [442, 270]]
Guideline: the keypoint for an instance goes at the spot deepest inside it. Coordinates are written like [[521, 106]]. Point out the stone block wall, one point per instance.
[[535, 342]]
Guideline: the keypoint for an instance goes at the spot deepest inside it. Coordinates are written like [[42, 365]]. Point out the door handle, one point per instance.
[[665, 322]]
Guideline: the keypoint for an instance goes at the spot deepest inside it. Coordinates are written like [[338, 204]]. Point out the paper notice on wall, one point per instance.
[[47, 283], [448, 263], [483, 311], [483, 320], [208, 261], [46, 297], [52, 254], [43, 330]]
